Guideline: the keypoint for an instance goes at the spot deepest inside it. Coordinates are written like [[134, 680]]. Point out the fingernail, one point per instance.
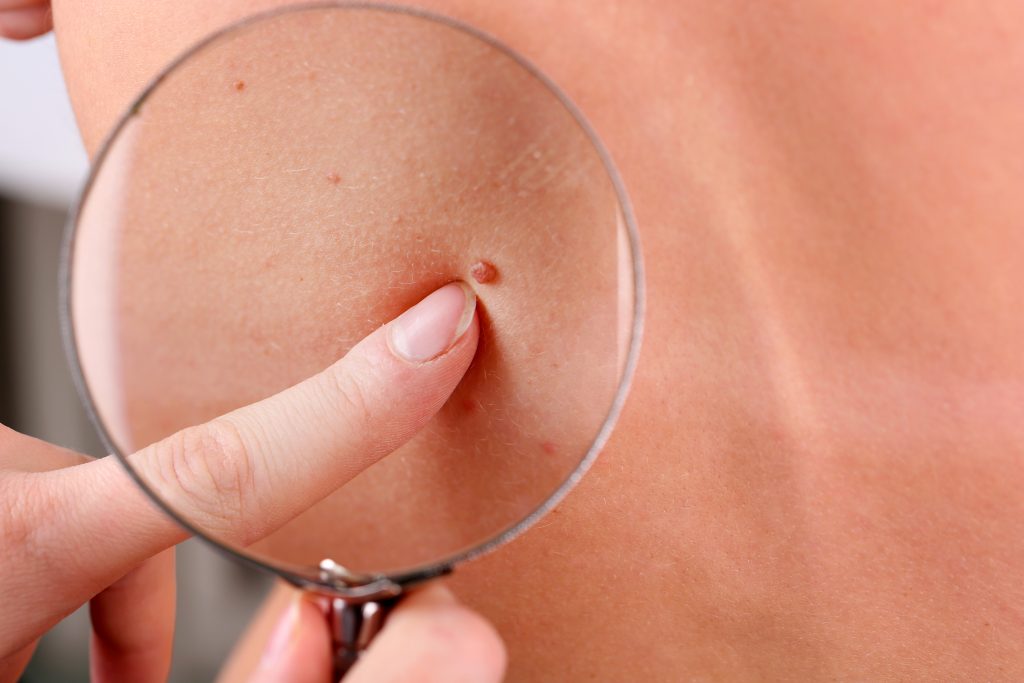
[[282, 635], [429, 328]]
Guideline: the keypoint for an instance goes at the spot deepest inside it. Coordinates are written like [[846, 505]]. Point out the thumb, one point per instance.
[[245, 474], [299, 649], [429, 638]]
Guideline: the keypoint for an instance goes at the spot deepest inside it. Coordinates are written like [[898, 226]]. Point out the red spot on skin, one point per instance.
[[548, 447], [483, 272], [333, 178], [469, 405], [239, 86]]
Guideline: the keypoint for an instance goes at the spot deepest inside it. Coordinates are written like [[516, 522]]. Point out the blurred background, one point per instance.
[[42, 167]]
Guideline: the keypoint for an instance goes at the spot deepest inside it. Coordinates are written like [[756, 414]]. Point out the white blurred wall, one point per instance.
[[41, 156]]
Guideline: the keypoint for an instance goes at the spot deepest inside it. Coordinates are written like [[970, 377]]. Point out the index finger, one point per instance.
[[245, 474]]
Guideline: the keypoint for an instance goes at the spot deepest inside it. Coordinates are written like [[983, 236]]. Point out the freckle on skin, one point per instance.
[[483, 272], [239, 86], [333, 178]]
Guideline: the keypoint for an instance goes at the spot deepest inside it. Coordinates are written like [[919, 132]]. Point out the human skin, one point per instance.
[[269, 252], [817, 474], [64, 508]]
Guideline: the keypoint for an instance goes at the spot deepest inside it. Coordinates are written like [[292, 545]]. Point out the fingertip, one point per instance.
[[439, 639], [314, 633], [432, 327], [299, 647], [478, 644], [133, 624], [26, 22], [471, 336]]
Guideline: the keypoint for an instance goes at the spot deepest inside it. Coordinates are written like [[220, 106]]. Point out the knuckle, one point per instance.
[[207, 472], [16, 529], [29, 513], [345, 392]]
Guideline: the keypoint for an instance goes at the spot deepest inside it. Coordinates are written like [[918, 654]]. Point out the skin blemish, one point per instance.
[[333, 178], [483, 272], [239, 86], [469, 406], [548, 447]]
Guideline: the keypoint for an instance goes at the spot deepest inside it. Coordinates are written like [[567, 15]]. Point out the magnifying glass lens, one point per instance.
[[294, 183]]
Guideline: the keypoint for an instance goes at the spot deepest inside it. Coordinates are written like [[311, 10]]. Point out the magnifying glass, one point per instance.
[[298, 179]]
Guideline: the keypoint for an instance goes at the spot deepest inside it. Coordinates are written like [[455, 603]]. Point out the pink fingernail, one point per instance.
[[429, 328]]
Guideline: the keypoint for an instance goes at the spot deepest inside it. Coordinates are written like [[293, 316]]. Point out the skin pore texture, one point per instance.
[[818, 472]]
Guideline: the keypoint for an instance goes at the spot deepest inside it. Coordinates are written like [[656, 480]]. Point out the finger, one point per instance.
[[247, 651], [12, 665], [133, 624], [239, 477], [431, 638], [26, 22], [20, 453], [243, 475], [299, 648], [22, 4]]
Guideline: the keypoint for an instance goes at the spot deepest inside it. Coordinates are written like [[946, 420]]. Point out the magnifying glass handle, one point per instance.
[[353, 626]]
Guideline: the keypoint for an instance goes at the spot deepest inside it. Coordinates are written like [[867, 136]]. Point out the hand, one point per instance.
[[428, 638], [24, 19], [74, 530]]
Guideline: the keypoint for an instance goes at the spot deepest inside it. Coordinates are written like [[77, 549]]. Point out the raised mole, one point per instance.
[[483, 272]]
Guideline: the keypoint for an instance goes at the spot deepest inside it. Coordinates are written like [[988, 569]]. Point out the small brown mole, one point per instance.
[[333, 178], [483, 272], [239, 86]]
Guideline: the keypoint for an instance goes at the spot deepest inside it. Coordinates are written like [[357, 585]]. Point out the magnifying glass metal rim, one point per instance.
[[373, 586]]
